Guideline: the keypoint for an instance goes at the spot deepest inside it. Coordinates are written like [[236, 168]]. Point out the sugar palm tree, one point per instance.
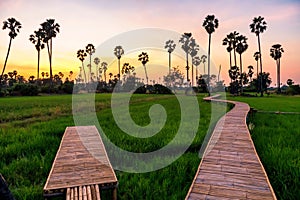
[[230, 41], [144, 58], [50, 29], [119, 51], [196, 61], [37, 40], [256, 57], [81, 54], [194, 48], [170, 46], [241, 47], [14, 27], [258, 26], [104, 68], [97, 61], [203, 60], [210, 24], [276, 52], [250, 72], [90, 49], [185, 40]]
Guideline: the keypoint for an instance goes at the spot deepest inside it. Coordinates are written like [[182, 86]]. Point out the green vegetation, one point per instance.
[[31, 129], [276, 138]]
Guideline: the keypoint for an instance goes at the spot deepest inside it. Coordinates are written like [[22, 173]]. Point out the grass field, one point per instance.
[[31, 129], [277, 141]]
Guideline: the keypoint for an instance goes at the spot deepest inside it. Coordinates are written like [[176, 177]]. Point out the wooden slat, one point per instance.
[[97, 192], [230, 167], [81, 160]]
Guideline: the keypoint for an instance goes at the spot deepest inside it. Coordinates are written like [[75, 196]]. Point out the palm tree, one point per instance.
[[256, 57], [227, 41], [170, 46], [185, 40], [104, 68], [90, 49], [144, 58], [194, 48], [276, 52], [250, 72], [97, 61], [50, 29], [258, 26], [36, 39], [196, 61], [81, 54], [15, 74], [230, 41], [14, 27], [203, 60], [119, 51], [210, 24], [241, 47]]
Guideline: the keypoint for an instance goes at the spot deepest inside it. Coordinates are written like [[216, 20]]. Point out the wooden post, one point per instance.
[[115, 194]]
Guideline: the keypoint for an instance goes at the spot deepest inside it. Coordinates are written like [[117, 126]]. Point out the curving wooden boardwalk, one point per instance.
[[230, 167]]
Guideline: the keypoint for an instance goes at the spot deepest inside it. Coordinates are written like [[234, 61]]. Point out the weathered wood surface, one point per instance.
[[81, 161], [230, 167]]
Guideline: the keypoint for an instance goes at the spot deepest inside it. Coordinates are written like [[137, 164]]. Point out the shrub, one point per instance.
[[26, 89]]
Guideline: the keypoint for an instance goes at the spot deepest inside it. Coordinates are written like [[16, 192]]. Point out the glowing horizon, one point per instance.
[[84, 22]]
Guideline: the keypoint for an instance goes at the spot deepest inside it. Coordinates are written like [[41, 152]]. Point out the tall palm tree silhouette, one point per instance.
[[50, 29], [210, 24], [144, 58], [81, 54], [230, 41], [97, 61], [256, 56], [14, 27], [119, 51], [104, 68], [241, 47], [276, 52], [258, 26], [185, 40], [90, 49], [170, 46], [194, 48], [37, 39], [203, 60]]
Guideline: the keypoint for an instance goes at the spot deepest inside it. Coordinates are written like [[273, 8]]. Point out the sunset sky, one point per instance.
[[96, 22]]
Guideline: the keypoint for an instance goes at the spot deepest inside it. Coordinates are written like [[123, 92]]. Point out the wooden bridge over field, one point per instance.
[[230, 167], [81, 168]]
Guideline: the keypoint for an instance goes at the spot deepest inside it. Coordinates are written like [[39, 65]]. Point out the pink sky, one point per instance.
[[84, 22]]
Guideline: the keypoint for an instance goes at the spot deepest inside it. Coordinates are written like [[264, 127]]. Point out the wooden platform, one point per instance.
[[81, 161], [230, 167]]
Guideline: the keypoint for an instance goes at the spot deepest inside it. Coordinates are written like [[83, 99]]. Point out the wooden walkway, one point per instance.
[[81, 164], [230, 167]]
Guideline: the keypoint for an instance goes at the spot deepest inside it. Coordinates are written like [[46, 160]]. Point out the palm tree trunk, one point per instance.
[[234, 54], [50, 60], [8, 50], [278, 75], [97, 72], [83, 72], [196, 75], [230, 63], [208, 69], [119, 69], [38, 66], [91, 78], [261, 70], [105, 76], [204, 68], [187, 67], [146, 74], [169, 63], [192, 75], [241, 73]]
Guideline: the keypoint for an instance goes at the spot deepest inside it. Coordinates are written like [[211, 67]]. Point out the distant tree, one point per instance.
[[104, 68], [203, 60], [194, 48], [266, 81], [256, 56], [250, 72], [37, 40], [234, 74], [175, 79], [196, 61], [119, 51], [258, 26], [14, 27], [241, 47], [290, 82], [127, 69], [185, 40], [70, 75], [90, 49], [97, 61], [81, 56], [50, 29], [43, 74], [15, 74], [276, 52], [210, 24], [231, 42], [170, 46], [144, 58]]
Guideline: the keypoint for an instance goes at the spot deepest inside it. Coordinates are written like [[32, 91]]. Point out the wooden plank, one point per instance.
[[97, 192], [230, 167]]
